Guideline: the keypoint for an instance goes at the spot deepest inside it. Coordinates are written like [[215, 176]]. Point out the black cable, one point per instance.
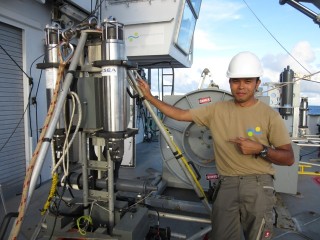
[[156, 63], [131, 95], [158, 219], [37, 126], [301, 156], [92, 13], [14, 62], [57, 210], [275, 38], [145, 126], [30, 126], [37, 59], [30, 83], [29, 98], [14, 130]]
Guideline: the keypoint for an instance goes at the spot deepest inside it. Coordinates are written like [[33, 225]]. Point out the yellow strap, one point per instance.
[[51, 193], [185, 162]]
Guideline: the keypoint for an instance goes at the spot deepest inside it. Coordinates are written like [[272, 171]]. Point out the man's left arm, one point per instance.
[[281, 155]]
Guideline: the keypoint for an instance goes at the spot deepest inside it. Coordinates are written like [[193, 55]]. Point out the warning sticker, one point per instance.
[[204, 100]]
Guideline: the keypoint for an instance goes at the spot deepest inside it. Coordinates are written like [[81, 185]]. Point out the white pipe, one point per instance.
[[312, 164], [180, 217], [110, 190]]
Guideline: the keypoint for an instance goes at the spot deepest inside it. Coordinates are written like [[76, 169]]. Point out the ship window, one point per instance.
[[196, 6], [187, 25]]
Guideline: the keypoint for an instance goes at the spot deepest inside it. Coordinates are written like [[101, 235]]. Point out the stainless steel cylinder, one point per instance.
[[114, 83], [52, 58], [303, 113], [52, 44]]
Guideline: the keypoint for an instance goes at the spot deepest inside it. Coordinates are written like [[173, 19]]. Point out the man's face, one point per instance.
[[243, 90]]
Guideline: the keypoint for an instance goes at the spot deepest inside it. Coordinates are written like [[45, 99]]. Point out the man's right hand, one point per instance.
[[145, 89], [166, 109]]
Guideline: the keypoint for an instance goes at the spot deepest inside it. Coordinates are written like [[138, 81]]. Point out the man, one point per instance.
[[248, 137]]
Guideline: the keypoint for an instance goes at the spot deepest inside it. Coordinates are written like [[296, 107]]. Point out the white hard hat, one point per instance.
[[244, 65]]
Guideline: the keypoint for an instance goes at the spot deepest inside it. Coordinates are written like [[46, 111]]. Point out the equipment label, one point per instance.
[[204, 100], [109, 71], [50, 75]]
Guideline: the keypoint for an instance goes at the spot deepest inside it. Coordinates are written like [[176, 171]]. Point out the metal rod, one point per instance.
[[168, 140], [3, 200], [110, 191], [180, 217], [174, 204], [178, 235], [302, 9], [84, 160], [307, 140], [134, 185], [55, 117], [308, 144], [312, 164], [315, 136]]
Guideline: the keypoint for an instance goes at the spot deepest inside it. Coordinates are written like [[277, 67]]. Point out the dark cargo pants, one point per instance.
[[244, 207]]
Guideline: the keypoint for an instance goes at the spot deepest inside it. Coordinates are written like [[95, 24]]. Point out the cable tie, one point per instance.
[[30, 81], [73, 72], [46, 140]]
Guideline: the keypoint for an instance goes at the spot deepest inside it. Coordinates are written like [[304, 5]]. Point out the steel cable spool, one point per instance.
[[195, 142]]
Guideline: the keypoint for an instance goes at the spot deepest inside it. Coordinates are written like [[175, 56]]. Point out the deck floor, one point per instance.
[[303, 208]]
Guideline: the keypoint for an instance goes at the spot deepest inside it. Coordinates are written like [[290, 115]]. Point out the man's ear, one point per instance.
[[258, 83]]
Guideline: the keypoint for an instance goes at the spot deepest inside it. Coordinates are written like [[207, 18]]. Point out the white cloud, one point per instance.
[[302, 62], [187, 80], [304, 51], [190, 78], [202, 40], [205, 41], [220, 10]]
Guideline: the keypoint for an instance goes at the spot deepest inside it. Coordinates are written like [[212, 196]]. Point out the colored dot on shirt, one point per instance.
[[250, 134], [258, 129]]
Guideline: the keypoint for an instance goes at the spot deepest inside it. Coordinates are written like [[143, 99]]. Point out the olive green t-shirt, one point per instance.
[[226, 120]]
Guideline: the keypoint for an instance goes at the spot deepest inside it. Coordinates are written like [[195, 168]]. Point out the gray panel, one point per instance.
[[88, 90], [12, 145], [133, 225]]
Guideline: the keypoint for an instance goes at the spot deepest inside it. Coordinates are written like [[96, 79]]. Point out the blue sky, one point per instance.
[[227, 27]]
